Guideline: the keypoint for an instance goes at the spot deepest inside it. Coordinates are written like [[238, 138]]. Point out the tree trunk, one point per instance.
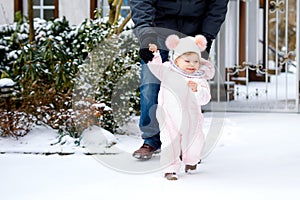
[[112, 11], [30, 19]]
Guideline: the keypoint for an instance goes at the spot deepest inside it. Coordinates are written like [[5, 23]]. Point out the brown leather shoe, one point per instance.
[[171, 176], [145, 152], [190, 168]]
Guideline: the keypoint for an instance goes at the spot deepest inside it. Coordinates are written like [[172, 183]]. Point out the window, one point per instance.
[[45, 9], [125, 9]]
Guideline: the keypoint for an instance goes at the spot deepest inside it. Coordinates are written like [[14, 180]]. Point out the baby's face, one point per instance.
[[188, 62]]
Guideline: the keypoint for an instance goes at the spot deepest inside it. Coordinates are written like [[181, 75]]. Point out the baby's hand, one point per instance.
[[153, 47], [193, 85]]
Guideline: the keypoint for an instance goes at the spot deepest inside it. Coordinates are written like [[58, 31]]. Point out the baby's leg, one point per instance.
[[193, 144], [170, 152]]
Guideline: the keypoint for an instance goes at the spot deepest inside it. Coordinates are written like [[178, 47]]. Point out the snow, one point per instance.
[[13, 54], [6, 82], [280, 87], [101, 105], [253, 156]]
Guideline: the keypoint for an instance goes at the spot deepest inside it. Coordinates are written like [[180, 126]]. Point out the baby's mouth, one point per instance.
[[190, 69]]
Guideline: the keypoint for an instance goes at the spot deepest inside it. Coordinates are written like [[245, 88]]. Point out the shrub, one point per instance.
[[111, 76], [53, 70]]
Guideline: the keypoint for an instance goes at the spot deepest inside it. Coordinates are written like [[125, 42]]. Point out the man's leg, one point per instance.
[[148, 124], [148, 100]]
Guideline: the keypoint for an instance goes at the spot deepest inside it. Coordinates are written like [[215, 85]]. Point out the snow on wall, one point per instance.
[[6, 11], [75, 11]]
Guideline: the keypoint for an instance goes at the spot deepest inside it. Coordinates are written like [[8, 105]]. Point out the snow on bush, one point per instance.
[[6, 82], [66, 65]]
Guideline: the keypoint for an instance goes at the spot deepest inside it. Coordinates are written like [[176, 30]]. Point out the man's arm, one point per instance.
[[142, 14], [214, 18]]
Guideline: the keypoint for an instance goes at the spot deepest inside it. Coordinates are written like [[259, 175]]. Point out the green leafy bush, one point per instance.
[[53, 70]]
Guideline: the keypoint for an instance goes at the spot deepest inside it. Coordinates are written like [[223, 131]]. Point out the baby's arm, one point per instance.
[[157, 58], [203, 95], [156, 66]]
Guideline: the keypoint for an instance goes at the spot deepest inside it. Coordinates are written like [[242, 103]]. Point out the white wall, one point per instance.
[[228, 37], [252, 32], [6, 11], [74, 10]]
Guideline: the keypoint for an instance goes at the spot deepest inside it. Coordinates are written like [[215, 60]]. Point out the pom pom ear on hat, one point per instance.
[[172, 42], [201, 41], [179, 46]]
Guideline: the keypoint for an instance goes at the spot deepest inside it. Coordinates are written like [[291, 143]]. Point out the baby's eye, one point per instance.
[[187, 61]]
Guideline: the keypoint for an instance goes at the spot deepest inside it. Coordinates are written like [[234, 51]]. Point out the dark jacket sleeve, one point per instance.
[[214, 17], [142, 14]]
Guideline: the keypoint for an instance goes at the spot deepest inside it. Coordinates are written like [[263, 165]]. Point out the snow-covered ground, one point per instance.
[[281, 87], [256, 156]]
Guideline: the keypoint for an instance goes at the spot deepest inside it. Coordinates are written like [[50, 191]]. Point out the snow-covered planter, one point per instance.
[[12, 121], [15, 123]]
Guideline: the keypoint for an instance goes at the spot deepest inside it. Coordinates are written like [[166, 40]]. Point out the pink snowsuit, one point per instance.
[[179, 116]]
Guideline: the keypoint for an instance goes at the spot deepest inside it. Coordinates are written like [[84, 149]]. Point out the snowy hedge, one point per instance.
[[66, 73]]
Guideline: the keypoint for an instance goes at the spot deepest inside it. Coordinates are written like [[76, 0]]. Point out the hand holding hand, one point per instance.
[[145, 54], [153, 47]]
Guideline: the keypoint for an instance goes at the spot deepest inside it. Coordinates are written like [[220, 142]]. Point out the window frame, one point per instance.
[[20, 4], [41, 8]]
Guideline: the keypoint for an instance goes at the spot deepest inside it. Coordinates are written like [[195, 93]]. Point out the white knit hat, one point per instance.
[[179, 46], [195, 44]]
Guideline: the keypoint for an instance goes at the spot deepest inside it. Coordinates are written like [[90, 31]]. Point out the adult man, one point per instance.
[[154, 20]]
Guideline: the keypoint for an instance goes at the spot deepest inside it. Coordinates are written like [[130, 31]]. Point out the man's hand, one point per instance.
[[145, 54], [205, 54]]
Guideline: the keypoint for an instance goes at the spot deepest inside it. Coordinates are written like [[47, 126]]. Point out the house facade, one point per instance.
[[74, 10]]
